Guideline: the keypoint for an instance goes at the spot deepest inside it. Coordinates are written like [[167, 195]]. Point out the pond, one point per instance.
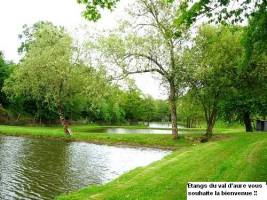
[[43, 169], [139, 131], [163, 125]]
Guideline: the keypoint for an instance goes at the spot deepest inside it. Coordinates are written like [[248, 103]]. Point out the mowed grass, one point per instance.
[[241, 158]]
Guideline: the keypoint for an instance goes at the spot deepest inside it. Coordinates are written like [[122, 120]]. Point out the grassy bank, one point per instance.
[[232, 155], [81, 133], [241, 158]]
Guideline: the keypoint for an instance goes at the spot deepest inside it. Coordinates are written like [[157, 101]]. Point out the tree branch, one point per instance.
[[162, 70]]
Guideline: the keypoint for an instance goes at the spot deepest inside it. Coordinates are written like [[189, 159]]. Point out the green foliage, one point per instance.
[[52, 81], [211, 66], [255, 37], [92, 11], [48, 75], [27, 35], [189, 110], [188, 12], [219, 11], [131, 104], [6, 69], [250, 86], [145, 43], [148, 108], [162, 112]]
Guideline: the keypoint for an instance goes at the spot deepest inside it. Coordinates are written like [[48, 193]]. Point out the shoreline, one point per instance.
[[97, 142]]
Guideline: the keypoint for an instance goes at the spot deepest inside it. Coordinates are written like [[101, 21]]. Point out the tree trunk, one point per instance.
[[210, 125], [64, 123], [211, 117], [61, 117], [173, 111], [18, 117], [33, 121], [187, 122], [247, 122], [253, 125]]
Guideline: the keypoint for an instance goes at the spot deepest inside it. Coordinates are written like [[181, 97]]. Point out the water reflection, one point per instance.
[[162, 125], [43, 169], [139, 131]]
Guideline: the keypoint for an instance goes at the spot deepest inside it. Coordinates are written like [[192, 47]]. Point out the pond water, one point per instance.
[[43, 169], [133, 131], [155, 129], [163, 125]]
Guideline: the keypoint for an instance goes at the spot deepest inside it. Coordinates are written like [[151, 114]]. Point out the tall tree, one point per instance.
[[147, 42]]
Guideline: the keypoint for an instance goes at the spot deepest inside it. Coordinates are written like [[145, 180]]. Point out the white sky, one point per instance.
[[14, 14]]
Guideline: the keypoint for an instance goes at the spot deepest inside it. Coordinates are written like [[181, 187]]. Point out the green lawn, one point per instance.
[[242, 158]]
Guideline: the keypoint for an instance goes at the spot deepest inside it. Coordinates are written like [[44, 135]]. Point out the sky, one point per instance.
[[14, 14]]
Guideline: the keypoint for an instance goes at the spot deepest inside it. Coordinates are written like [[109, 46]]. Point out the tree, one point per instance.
[[49, 73], [146, 43], [109, 108], [190, 110], [162, 111], [132, 102], [211, 67], [148, 108], [249, 98]]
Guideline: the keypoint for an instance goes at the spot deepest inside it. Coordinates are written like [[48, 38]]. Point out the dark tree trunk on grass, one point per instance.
[[211, 115], [247, 122], [173, 111], [210, 125]]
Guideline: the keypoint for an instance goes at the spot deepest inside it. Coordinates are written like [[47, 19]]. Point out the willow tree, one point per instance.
[[51, 73]]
